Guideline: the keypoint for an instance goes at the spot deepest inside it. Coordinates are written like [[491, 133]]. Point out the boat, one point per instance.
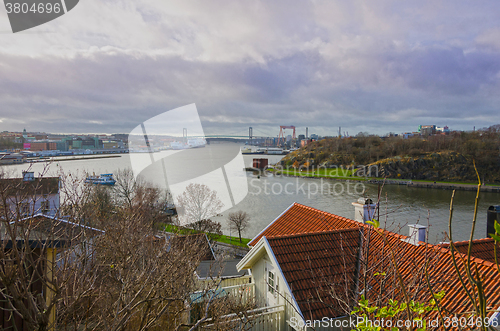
[[274, 151], [176, 145], [247, 151], [191, 143], [103, 179], [197, 143]]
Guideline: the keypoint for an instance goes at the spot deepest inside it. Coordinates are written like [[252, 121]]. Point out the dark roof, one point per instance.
[[303, 219], [47, 229], [316, 264], [199, 240], [481, 248], [38, 186], [379, 249], [220, 269]]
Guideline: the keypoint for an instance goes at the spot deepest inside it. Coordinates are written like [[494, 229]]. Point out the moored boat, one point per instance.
[[103, 179], [247, 151]]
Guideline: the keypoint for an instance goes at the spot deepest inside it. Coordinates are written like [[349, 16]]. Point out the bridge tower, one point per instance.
[[250, 134]]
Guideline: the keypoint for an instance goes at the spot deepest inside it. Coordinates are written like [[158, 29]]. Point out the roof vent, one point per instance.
[[417, 233], [364, 210], [28, 176]]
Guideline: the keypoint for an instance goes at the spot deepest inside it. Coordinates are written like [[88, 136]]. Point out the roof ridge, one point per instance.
[[315, 233], [475, 241], [447, 251], [326, 213]]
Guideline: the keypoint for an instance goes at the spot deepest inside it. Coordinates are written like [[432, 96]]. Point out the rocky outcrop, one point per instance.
[[443, 166], [440, 166]]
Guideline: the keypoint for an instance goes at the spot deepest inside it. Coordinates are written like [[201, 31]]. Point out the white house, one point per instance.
[[310, 268], [29, 196]]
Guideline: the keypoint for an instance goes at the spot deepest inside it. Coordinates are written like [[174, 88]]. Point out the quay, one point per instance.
[[437, 185], [69, 158]]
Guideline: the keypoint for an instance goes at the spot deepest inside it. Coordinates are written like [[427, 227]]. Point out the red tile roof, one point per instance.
[[316, 264], [303, 219], [411, 262], [481, 248], [295, 251]]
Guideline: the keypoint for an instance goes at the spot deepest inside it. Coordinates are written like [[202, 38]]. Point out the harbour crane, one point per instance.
[[282, 134]]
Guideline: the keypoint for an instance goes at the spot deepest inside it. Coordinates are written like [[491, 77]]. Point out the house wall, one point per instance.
[[35, 204], [285, 298], [261, 290]]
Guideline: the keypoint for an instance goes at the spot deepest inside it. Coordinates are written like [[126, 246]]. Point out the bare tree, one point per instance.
[[125, 186], [238, 220], [122, 276], [34, 269], [197, 203]]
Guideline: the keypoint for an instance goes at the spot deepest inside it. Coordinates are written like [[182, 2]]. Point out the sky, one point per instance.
[[368, 66]]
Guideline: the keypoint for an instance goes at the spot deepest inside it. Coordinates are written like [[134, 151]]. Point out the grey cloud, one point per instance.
[[421, 65]]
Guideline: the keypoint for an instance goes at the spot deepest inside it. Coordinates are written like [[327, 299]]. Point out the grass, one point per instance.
[[349, 174], [224, 239], [234, 240], [321, 173]]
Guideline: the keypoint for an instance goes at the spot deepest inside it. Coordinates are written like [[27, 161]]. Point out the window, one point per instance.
[[45, 207], [270, 282], [24, 209]]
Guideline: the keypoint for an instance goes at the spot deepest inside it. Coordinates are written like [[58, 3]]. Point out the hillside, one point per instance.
[[438, 158]]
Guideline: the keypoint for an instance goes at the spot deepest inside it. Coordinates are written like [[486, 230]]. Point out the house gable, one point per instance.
[[320, 269], [257, 260]]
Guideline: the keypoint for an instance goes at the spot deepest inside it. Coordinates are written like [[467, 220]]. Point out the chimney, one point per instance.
[[364, 210], [493, 215], [416, 234], [28, 176]]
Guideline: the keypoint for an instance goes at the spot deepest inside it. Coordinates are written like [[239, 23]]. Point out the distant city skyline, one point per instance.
[[376, 67], [300, 131]]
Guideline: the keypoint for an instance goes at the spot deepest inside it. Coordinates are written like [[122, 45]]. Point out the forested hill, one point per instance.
[[438, 157]]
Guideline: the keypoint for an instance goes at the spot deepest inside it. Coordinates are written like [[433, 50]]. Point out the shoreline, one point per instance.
[[410, 183], [73, 158]]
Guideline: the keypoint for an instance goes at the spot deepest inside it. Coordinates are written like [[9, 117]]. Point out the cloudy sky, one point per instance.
[[375, 66]]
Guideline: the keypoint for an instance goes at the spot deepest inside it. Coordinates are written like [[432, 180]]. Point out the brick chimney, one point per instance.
[[364, 210], [493, 215]]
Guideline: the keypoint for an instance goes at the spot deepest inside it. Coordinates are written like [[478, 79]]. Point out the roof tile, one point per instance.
[[318, 254]]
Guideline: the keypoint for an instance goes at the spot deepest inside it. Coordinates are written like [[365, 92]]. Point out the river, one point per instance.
[[269, 196]]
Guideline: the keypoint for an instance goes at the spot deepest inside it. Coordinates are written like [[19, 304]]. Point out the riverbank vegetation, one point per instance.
[[447, 158], [231, 240]]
